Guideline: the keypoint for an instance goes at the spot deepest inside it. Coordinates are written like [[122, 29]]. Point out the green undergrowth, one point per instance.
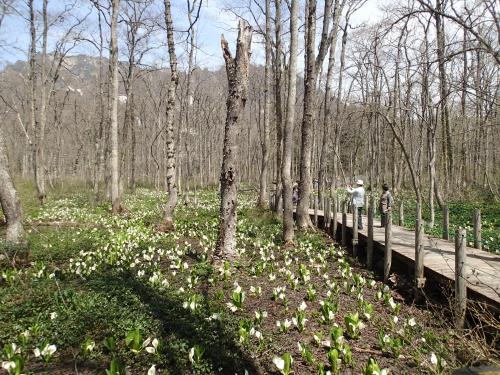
[[107, 293], [461, 214]]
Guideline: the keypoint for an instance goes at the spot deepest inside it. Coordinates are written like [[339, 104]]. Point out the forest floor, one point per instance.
[[111, 293]]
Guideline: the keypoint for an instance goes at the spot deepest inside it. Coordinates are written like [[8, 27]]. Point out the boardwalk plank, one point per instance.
[[482, 270]]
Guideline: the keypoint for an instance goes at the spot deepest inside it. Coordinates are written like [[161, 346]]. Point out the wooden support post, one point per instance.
[[334, 214], [316, 202], [311, 200], [446, 223], [419, 254], [326, 214], [401, 215], [388, 246], [369, 246], [354, 230], [344, 225], [366, 201], [477, 229], [460, 281]]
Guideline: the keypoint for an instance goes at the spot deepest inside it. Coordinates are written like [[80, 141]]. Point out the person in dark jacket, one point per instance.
[[385, 204], [295, 194]]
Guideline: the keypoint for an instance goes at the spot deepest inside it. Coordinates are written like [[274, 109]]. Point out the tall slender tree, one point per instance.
[[278, 82], [312, 67], [113, 115], [327, 116], [267, 109], [170, 113], [286, 169]]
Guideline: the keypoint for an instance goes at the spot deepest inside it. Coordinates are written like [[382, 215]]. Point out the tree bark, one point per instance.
[[33, 78], [338, 7], [267, 111], [312, 66], [39, 155], [113, 78], [99, 164], [443, 91], [278, 74], [286, 168], [9, 200], [237, 70], [170, 112], [303, 218]]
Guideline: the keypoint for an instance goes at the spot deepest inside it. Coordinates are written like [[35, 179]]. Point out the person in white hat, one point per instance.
[[358, 199]]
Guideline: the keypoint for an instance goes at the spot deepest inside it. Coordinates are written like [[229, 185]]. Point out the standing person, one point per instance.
[[295, 194], [358, 199], [385, 204]]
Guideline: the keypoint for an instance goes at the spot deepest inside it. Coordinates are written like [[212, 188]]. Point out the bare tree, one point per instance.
[[286, 171], [11, 206], [237, 70], [168, 211], [267, 110], [312, 66], [327, 116], [278, 86], [9, 200], [113, 83]]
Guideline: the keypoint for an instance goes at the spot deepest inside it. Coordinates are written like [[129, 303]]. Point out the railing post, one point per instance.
[[354, 230], [334, 214], [446, 223], [419, 254], [326, 214], [419, 249], [460, 281], [315, 200], [401, 215], [325, 198], [369, 246], [388, 246], [344, 225], [477, 229]]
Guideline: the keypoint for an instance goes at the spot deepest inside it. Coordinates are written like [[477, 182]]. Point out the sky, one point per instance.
[[216, 17]]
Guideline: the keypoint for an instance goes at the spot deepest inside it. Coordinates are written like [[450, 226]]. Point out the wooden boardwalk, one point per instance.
[[482, 267]]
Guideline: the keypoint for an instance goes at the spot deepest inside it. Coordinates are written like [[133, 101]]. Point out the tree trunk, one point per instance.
[[267, 111], [328, 100], [303, 218], [286, 168], [9, 200], [39, 155], [170, 112], [278, 74], [237, 70], [443, 91], [113, 78], [99, 164], [33, 77]]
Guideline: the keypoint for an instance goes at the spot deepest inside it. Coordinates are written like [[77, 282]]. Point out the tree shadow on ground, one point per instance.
[[181, 329]]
